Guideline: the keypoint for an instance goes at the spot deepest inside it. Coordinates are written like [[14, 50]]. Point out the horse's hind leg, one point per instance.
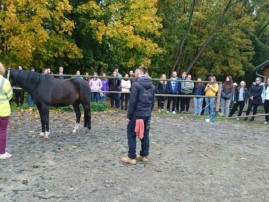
[[87, 115], [78, 115]]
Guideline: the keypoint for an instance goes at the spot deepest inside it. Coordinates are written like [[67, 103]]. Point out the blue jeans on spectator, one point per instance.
[[209, 105], [131, 135], [30, 101], [104, 98], [198, 105], [95, 96]]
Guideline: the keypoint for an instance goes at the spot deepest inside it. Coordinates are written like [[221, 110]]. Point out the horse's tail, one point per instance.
[[84, 98]]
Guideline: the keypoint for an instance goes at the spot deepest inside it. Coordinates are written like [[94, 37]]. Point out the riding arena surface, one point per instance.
[[190, 160]]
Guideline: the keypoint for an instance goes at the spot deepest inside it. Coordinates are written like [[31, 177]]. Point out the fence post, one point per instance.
[[218, 98]]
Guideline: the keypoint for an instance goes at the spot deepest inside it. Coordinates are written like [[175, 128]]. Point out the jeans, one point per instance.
[[225, 107], [198, 105], [30, 101], [95, 96], [210, 101], [3, 134], [241, 105], [266, 109], [174, 103], [131, 135], [104, 98]]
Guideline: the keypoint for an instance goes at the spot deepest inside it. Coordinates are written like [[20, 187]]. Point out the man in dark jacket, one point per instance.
[[255, 97], [140, 107], [114, 85]]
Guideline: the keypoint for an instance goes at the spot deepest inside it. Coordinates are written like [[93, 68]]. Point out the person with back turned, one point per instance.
[[5, 111], [139, 115]]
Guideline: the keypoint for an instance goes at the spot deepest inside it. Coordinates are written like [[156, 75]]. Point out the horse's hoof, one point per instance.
[[46, 136], [41, 134]]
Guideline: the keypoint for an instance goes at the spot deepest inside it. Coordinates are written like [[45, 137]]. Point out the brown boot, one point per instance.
[[142, 158], [128, 160]]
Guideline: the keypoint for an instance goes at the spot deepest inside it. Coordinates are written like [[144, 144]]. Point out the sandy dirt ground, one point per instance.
[[190, 160]]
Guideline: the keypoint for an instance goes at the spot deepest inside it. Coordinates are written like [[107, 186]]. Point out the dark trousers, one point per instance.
[[19, 97], [204, 106], [250, 105], [239, 104], [125, 99], [177, 105], [185, 104], [115, 102], [161, 102], [3, 134], [174, 103], [131, 135], [266, 109]]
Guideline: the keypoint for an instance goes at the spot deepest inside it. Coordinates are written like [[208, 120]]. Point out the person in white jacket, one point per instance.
[[125, 91]]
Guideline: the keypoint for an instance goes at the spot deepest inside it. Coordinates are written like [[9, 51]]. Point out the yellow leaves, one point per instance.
[[64, 6], [28, 24], [91, 7], [99, 28]]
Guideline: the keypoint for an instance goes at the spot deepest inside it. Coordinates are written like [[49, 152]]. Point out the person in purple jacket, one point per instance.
[[105, 87]]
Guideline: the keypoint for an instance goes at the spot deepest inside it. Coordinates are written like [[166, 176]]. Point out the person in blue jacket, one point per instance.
[[173, 88]]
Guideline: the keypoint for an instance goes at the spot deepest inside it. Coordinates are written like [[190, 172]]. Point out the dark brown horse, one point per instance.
[[47, 91]]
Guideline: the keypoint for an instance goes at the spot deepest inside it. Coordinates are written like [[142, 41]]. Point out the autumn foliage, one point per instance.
[[223, 37]]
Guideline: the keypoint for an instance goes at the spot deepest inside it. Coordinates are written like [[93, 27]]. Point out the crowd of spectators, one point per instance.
[[180, 90]]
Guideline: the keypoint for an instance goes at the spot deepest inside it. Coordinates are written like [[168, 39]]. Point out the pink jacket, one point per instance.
[[95, 85], [125, 86]]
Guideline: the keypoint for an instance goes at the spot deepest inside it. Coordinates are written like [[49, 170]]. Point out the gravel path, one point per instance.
[[190, 160]]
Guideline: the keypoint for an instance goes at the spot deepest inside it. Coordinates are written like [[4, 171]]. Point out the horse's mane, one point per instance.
[[29, 77]]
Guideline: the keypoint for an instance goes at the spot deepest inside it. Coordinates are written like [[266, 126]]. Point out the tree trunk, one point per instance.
[[182, 42], [220, 21]]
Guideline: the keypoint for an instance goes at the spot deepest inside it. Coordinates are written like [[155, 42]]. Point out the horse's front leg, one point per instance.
[[41, 114], [78, 115], [44, 117]]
